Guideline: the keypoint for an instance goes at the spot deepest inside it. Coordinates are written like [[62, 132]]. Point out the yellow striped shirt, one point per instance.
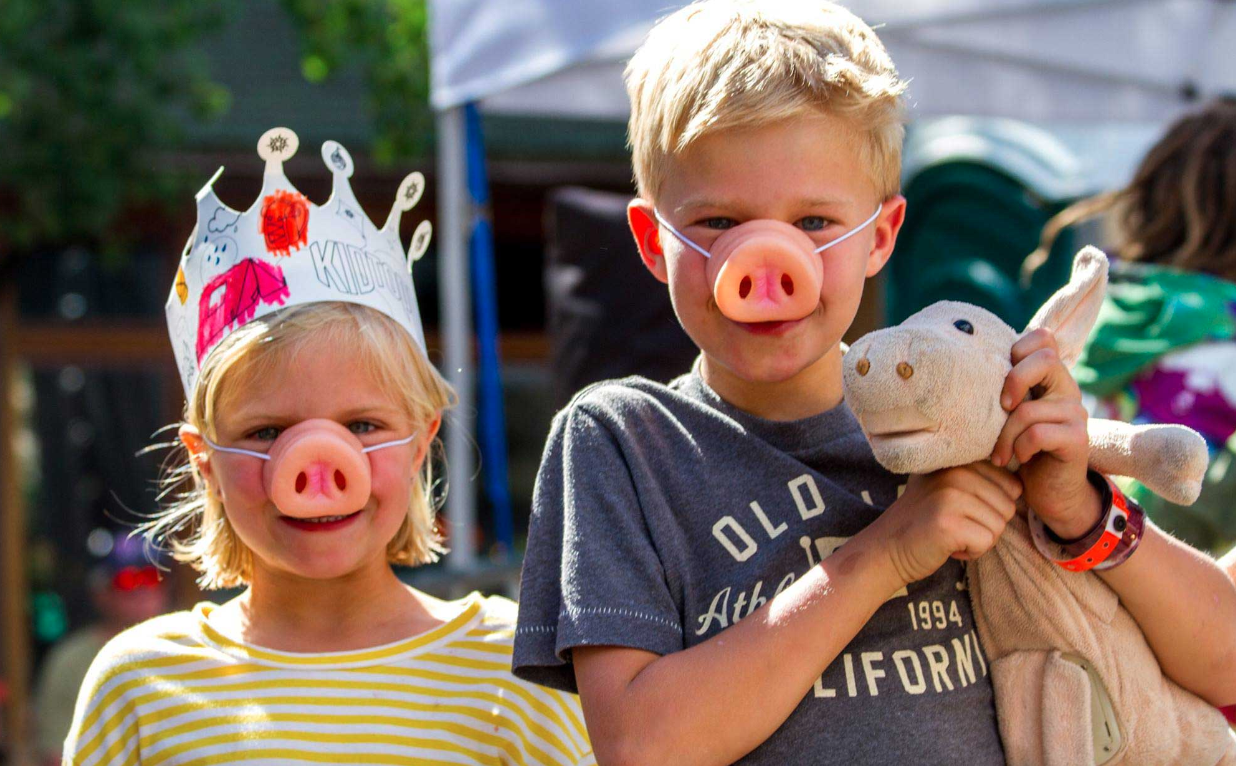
[[175, 691]]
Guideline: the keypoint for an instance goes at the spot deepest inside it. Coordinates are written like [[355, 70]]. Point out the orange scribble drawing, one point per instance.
[[285, 222], [182, 287]]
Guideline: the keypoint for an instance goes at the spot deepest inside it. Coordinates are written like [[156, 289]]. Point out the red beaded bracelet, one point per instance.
[[1109, 543]]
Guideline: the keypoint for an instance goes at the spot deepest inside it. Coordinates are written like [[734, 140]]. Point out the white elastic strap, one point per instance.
[[680, 235], [237, 450], [682, 238], [851, 232], [394, 443], [264, 456]]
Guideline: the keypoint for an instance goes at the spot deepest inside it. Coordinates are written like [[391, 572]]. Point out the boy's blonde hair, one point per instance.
[[197, 527], [720, 64]]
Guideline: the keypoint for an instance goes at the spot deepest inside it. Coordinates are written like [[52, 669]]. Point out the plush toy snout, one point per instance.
[[890, 352], [892, 375], [925, 392]]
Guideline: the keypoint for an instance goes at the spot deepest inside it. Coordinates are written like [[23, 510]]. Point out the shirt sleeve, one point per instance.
[[592, 575]]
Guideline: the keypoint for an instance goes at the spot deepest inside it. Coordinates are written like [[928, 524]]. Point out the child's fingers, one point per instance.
[[1008, 482], [1035, 340], [992, 496], [965, 488], [1027, 414], [992, 517], [978, 534], [1041, 371], [1054, 438]]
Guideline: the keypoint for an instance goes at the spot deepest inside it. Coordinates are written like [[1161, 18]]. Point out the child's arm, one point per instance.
[[1186, 606], [716, 701], [1183, 601]]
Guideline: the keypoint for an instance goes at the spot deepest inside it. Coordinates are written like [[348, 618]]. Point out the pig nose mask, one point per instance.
[[316, 468], [764, 270]]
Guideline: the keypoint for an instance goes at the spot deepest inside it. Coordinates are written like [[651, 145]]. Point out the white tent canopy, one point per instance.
[[1081, 61], [1030, 59]]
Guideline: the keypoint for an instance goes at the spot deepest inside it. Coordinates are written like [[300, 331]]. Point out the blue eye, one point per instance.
[[812, 223], [267, 434], [719, 224], [361, 427], [964, 326]]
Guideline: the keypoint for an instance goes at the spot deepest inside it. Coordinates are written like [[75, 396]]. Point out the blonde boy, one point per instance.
[[718, 565]]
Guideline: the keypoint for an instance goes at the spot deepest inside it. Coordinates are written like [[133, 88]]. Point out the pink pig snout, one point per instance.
[[317, 468], [765, 271]]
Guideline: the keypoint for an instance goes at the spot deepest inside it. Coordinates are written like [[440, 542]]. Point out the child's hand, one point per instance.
[[958, 512], [1047, 435]]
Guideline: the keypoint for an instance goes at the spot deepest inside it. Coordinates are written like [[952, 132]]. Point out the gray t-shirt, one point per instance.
[[662, 515]]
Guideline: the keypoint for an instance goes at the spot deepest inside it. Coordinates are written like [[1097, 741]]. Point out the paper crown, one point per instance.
[[285, 251]]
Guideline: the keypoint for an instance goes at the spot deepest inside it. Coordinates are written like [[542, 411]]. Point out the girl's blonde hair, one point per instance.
[[196, 526], [720, 64], [1180, 208]]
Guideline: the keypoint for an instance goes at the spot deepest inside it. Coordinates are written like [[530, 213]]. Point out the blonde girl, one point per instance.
[[309, 432]]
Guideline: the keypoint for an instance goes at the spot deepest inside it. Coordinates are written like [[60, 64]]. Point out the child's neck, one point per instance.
[[366, 608], [815, 389]]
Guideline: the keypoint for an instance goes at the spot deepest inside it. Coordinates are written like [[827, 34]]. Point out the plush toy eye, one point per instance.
[[964, 326]]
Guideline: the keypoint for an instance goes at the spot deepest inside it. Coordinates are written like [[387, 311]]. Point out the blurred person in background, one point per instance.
[[1164, 347], [126, 588]]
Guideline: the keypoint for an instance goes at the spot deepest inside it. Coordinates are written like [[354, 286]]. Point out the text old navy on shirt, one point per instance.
[[730, 532]]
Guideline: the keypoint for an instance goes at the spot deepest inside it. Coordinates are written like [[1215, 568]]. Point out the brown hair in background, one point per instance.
[[1180, 208]]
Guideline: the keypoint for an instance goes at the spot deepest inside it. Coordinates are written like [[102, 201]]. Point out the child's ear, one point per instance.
[[647, 234], [196, 445], [422, 445], [887, 225], [1071, 311]]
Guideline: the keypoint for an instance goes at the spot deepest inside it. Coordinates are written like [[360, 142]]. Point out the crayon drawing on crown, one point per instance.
[[284, 250]]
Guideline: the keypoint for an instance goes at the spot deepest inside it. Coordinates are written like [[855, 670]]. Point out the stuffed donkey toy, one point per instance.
[[1075, 680]]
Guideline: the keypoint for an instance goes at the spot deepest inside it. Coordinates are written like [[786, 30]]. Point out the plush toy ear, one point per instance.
[[1071, 312]]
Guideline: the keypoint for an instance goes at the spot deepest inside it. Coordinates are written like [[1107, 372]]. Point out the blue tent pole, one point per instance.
[[491, 421]]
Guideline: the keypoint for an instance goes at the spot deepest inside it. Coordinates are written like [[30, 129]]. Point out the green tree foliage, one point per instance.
[[91, 93], [95, 94], [388, 39]]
